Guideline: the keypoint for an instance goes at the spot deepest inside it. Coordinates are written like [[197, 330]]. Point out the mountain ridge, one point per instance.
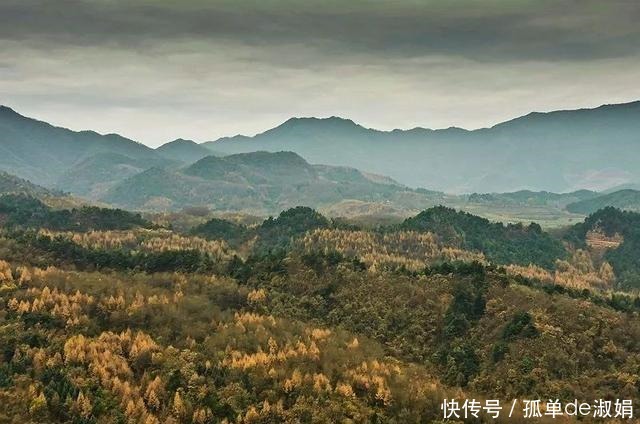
[[606, 106], [557, 151], [42, 153]]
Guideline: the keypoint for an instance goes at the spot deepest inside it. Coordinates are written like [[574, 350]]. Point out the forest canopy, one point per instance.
[[304, 319]]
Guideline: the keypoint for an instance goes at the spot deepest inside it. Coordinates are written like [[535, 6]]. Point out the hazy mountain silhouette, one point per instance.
[[93, 176], [623, 199], [556, 151], [526, 198], [41, 153], [259, 181]]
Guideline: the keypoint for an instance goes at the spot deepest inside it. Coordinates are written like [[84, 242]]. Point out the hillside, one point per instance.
[[23, 211], [11, 184], [105, 323], [531, 198], [114, 169], [556, 151], [259, 182], [93, 176], [617, 239], [627, 199], [110, 168], [42, 153], [502, 244]]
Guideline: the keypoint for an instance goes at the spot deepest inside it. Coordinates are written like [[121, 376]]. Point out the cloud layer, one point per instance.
[[156, 70]]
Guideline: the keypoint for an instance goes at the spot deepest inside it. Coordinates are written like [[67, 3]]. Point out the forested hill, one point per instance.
[[23, 211], [259, 183], [10, 184], [528, 198], [617, 234], [303, 319], [503, 244]]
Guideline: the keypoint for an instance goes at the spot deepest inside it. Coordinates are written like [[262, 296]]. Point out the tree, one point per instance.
[[38, 406], [179, 409], [83, 406]]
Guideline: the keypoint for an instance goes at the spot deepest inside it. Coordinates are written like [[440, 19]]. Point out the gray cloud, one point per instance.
[[483, 30], [157, 70]]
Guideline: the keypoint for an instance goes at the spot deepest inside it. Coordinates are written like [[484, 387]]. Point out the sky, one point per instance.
[[159, 70]]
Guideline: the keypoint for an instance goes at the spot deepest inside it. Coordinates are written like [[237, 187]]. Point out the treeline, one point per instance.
[[501, 244], [18, 210], [510, 244], [436, 234], [44, 250]]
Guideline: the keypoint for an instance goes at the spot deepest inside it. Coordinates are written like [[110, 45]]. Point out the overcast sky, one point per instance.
[[158, 70]]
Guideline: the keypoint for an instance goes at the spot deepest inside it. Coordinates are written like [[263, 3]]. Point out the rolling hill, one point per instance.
[[503, 244], [115, 323], [627, 199], [557, 151], [261, 182]]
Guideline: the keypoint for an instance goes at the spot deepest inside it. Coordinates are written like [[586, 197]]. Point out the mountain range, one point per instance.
[[120, 171], [540, 153], [556, 151]]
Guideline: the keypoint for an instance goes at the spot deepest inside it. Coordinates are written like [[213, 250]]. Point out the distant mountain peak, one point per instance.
[[7, 109], [306, 122], [180, 141], [333, 118], [9, 113], [184, 150]]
